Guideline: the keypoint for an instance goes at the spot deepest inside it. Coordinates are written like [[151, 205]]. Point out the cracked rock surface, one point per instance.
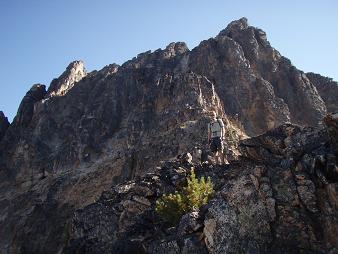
[[261, 206], [84, 160]]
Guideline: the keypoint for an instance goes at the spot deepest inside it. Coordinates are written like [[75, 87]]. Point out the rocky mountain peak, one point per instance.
[[327, 88], [2, 115], [73, 73], [109, 69], [175, 48], [27, 105], [235, 26], [4, 124], [81, 173]]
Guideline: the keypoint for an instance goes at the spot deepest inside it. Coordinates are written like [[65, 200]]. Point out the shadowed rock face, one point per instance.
[[4, 124], [92, 131], [26, 108]]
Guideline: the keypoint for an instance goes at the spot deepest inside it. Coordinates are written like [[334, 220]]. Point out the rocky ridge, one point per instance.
[[73, 73], [268, 201], [91, 132], [327, 88]]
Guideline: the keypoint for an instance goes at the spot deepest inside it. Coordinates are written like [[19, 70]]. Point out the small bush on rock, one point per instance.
[[198, 192], [172, 207]]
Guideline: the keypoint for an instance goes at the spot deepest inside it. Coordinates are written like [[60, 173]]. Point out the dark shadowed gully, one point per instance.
[[85, 160]]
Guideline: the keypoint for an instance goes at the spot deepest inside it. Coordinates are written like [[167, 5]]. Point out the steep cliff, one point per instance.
[[112, 125], [90, 132], [250, 77], [328, 90], [4, 124]]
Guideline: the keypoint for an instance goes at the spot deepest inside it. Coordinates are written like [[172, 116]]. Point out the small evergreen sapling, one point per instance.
[[172, 207]]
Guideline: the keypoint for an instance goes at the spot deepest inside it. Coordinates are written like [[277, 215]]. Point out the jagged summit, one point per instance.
[[176, 48], [27, 105], [235, 26], [327, 89], [239, 27], [84, 162], [74, 72], [4, 124], [2, 114], [109, 69], [171, 50]]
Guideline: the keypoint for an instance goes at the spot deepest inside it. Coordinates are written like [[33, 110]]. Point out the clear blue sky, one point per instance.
[[39, 38]]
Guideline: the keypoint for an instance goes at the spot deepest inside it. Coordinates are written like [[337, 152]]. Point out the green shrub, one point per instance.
[[172, 207], [198, 192]]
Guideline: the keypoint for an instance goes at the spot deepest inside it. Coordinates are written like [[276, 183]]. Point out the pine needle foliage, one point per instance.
[[173, 206]]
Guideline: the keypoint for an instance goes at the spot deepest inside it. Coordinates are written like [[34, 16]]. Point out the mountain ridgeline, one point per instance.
[[84, 161]]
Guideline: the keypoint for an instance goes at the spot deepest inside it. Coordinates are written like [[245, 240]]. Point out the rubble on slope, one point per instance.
[[271, 200]]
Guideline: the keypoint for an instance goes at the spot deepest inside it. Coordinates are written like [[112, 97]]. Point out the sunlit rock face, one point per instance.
[[327, 89], [271, 200], [83, 163], [250, 77], [74, 73]]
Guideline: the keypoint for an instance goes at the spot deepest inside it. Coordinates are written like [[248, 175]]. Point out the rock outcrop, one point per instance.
[[83, 163], [124, 130], [269, 201], [250, 76], [74, 73], [27, 105], [4, 124], [278, 205], [328, 90]]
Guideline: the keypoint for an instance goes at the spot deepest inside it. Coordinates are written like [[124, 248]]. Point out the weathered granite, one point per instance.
[[69, 148], [328, 90]]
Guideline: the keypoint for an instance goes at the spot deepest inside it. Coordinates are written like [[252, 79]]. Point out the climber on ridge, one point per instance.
[[216, 134]]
